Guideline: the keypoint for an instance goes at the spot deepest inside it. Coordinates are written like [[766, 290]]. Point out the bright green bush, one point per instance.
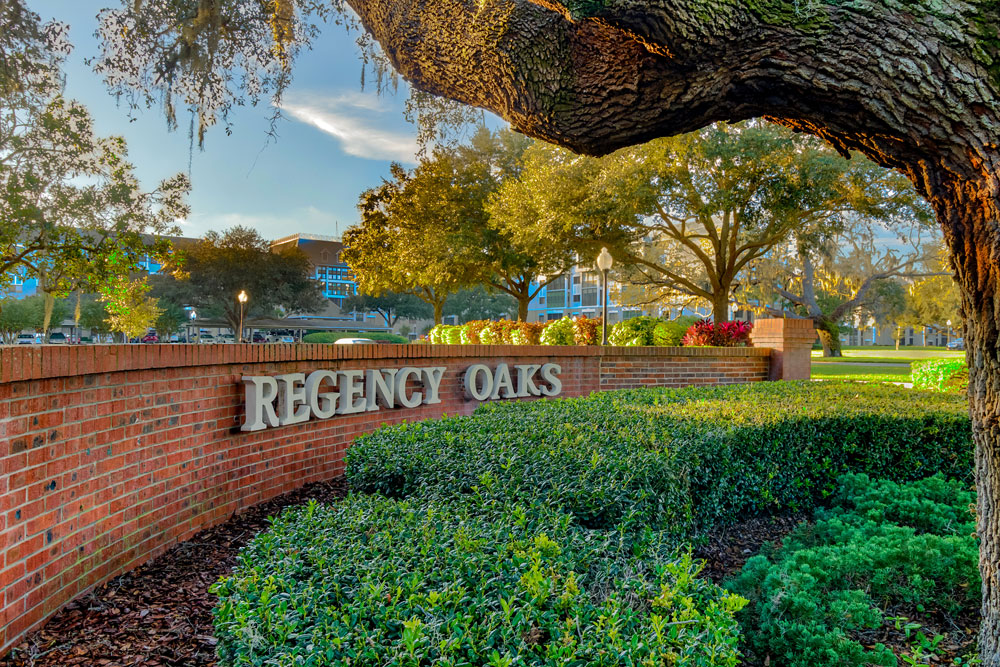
[[634, 332], [675, 459], [669, 332], [333, 337], [559, 332], [374, 582], [881, 546], [940, 375]]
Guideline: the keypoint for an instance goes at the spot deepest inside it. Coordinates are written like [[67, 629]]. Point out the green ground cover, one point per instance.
[[886, 354], [882, 548], [554, 532], [334, 336]]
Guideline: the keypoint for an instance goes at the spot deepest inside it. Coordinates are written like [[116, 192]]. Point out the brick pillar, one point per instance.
[[791, 342]]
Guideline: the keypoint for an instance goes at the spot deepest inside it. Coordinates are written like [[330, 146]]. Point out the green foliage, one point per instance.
[[479, 303], [221, 265], [390, 305], [950, 375], [669, 333], [15, 316], [334, 336], [678, 460], [634, 332], [881, 545], [375, 581], [559, 332]]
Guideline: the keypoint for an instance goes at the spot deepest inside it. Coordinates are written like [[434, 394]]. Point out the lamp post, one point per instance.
[[192, 316], [949, 333], [242, 298], [604, 262]]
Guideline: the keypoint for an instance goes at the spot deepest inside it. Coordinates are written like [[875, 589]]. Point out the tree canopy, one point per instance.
[[221, 265]]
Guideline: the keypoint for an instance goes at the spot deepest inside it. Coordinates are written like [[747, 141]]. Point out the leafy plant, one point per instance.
[[670, 332], [881, 545], [586, 330], [679, 460], [950, 375], [375, 581], [559, 332], [633, 332], [725, 334]]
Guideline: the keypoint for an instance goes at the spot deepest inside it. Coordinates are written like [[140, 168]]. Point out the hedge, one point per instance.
[[680, 460], [881, 546], [633, 332], [374, 581], [334, 336], [941, 375]]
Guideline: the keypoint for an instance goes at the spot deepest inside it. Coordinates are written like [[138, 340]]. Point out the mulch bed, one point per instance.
[[160, 614]]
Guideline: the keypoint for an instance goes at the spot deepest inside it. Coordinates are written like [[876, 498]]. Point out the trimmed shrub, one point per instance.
[[679, 460], [705, 333], [940, 375], [333, 337], [559, 332], [669, 333], [634, 332], [587, 330], [527, 333], [374, 581], [471, 330], [882, 545]]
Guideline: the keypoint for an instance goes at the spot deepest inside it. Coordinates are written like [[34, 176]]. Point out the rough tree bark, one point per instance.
[[903, 82]]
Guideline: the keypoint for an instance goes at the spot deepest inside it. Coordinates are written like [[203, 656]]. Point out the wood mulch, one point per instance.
[[160, 614]]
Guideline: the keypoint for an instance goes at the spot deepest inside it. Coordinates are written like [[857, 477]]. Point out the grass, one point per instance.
[[886, 354], [871, 372]]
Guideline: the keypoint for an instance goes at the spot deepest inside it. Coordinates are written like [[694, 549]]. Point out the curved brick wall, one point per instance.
[[110, 454]]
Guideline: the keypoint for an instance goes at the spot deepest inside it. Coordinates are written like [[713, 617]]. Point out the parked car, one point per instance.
[[151, 338], [227, 338], [957, 344], [205, 338], [27, 339], [354, 341], [58, 338], [285, 339], [259, 337]]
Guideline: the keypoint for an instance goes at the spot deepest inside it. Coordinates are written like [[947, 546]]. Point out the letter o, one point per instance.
[[472, 384]]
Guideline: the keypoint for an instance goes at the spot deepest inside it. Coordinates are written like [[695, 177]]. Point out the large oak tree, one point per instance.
[[912, 84]]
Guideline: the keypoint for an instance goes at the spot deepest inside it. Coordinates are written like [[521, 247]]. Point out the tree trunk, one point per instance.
[[438, 311], [523, 302], [970, 216], [720, 306], [829, 336], [50, 303]]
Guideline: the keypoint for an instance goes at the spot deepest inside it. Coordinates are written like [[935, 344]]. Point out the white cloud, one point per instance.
[[352, 119], [306, 220]]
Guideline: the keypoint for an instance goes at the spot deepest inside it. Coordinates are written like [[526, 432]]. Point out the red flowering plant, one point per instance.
[[705, 333]]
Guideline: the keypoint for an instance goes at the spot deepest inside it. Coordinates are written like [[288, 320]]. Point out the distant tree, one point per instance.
[[480, 303], [221, 265], [93, 315], [846, 271], [171, 319], [15, 316], [390, 305], [435, 230], [686, 215], [130, 310]]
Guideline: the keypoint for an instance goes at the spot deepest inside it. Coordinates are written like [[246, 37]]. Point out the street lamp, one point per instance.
[[949, 332], [242, 298], [604, 262]]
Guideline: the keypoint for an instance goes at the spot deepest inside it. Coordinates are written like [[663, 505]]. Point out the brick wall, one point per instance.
[[111, 454]]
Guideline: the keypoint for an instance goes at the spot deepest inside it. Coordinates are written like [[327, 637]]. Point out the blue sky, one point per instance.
[[335, 141]]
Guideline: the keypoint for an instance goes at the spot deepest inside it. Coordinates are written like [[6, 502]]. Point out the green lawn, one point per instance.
[[887, 355], [899, 372]]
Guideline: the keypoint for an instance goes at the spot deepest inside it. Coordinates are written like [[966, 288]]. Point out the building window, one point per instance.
[[630, 314], [590, 289], [554, 316], [541, 301], [556, 292]]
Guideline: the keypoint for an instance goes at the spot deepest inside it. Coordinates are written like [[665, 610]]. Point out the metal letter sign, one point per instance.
[[294, 398]]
